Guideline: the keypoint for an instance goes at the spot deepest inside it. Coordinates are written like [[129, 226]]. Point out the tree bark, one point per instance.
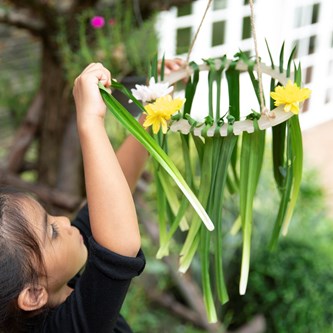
[[46, 194], [57, 108], [25, 135]]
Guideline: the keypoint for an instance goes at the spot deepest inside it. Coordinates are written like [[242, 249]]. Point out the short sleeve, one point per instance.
[[95, 303]]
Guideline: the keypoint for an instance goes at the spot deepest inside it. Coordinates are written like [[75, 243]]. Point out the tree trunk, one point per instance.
[[55, 123]]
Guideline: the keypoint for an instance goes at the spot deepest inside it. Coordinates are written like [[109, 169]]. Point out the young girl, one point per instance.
[[57, 276]]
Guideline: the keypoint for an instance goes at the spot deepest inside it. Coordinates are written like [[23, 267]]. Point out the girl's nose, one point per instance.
[[66, 224]]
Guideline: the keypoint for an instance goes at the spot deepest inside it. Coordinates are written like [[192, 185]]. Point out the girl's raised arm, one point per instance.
[[111, 208]]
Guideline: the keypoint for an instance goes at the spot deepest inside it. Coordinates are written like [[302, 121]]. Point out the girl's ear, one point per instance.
[[32, 298]]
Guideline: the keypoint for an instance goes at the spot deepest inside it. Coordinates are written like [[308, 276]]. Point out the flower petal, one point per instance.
[[290, 95]]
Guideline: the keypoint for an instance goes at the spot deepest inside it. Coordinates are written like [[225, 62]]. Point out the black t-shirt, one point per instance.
[[99, 292]]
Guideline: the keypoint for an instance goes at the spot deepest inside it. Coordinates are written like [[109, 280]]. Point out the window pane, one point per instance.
[[219, 4], [218, 33], [330, 68], [308, 74], [184, 10], [183, 40], [298, 17], [315, 13], [306, 105], [246, 33], [328, 98], [296, 44], [312, 45]]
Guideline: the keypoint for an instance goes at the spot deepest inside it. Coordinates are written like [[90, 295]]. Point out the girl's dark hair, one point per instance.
[[21, 260]]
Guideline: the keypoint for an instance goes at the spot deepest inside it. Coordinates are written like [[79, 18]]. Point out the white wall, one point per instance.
[[277, 21]]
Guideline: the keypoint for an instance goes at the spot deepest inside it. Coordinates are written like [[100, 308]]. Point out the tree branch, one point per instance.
[[45, 193], [169, 302], [21, 19], [256, 325], [25, 135]]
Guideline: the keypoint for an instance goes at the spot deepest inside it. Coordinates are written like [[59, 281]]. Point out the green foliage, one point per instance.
[[292, 286], [144, 316], [15, 102], [123, 44], [19, 81]]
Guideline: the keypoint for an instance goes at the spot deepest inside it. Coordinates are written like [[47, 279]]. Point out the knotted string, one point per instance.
[[264, 110], [197, 32], [263, 107]]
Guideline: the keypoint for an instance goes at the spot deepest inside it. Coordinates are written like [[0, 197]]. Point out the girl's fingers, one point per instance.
[[171, 65], [99, 72]]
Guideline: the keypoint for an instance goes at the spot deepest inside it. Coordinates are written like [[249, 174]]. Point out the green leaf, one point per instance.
[[270, 54], [205, 276], [251, 159], [291, 57], [187, 252], [278, 152], [225, 147], [297, 167], [281, 58], [130, 123], [190, 89], [285, 191], [232, 75], [162, 67]]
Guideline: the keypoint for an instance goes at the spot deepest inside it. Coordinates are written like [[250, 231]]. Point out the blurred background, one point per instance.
[[44, 45]]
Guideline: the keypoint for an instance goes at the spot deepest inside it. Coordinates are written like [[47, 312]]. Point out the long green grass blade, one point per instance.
[[203, 195], [233, 76], [162, 67], [127, 120], [281, 69], [270, 54], [285, 194], [278, 152], [205, 276], [291, 57], [226, 146], [297, 166], [251, 159], [161, 208], [287, 159], [190, 89], [164, 248], [170, 194]]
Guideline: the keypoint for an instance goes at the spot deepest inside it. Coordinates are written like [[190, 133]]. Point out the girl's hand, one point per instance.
[[171, 65], [88, 100]]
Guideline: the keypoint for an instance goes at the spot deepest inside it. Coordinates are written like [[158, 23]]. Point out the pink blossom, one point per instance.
[[112, 21], [97, 22]]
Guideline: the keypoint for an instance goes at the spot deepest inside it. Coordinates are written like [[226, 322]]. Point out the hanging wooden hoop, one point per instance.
[[267, 120]]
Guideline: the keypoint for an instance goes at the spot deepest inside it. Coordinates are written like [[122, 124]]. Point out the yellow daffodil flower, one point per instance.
[[290, 96], [159, 112]]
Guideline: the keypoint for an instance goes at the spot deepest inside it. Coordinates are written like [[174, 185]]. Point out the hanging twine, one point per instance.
[[264, 110], [197, 32]]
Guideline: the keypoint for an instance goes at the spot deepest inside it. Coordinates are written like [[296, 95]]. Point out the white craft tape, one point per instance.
[[275, 116]]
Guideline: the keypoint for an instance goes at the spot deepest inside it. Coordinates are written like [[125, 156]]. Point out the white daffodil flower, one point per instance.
[[150, 93]]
